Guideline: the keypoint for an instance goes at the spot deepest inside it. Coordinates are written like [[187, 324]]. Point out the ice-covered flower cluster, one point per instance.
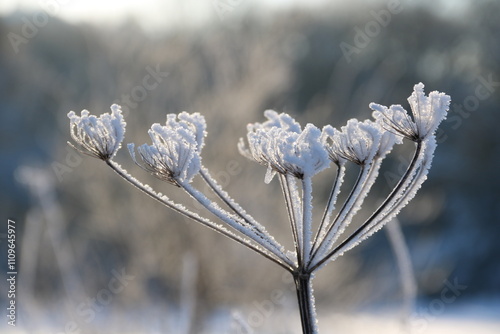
[[357, 141], [100, 137], [293, 152], [282, 146], [428, 113], [174, 155], [296, 154]]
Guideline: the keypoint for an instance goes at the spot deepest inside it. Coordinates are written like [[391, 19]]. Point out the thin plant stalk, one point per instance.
[[305, 298], [412, 185], [346, 207], [360, 230], [291, 212], [191, 215], [330, 206], [249, 220], [296, 206], [230, 220], [306, 217]]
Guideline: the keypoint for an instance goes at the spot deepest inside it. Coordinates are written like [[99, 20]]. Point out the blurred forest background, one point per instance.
[[79, 224]]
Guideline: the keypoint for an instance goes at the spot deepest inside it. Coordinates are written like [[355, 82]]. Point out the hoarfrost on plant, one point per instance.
[[100, 137], [296, 155]]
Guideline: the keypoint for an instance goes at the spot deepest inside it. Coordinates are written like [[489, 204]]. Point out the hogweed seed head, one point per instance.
[[282, 121], [100, 137], [428, 113], [176, 146], [284, 148], [194, 122], [327, 140], [357, 141]]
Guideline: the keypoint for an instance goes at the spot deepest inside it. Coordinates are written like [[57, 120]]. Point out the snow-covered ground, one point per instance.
[[478, 317]]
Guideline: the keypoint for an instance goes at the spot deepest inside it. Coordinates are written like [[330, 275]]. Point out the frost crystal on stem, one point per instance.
[[296, 154]]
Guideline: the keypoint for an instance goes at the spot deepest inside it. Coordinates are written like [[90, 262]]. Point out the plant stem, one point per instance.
[[335, 226], [249, 220], [332, 199], [206, 222], [388, 201], [291, 214], [306, 217], [303, 284]]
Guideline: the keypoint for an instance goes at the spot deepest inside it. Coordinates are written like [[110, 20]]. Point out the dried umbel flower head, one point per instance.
[[174, 155], [428, 113], [100, 137], [282, 146], [327, 135], [357, 141]]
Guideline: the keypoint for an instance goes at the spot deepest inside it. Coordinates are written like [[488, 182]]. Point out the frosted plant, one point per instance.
[[294, 155], [175, 153], [98, 137]]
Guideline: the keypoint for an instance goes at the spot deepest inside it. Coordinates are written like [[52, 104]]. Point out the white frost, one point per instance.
[[284, 148], [296, 155], [357, 141], [175, 151], [428, 113], [100, 137]]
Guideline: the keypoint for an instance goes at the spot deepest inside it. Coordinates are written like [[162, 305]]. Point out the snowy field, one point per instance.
[[474, 317]]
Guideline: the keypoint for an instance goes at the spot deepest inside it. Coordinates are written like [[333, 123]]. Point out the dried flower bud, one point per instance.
[[428, 113], [174, 155], [284, 148], [327, 140], [357, 141], [98, 137]]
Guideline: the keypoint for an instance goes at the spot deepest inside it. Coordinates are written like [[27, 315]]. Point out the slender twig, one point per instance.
[[291, 214], [231, 220], [335, 225], [402, 182], [306, 217], [224, 196], [393, 208], [368, 182], [330, 206], [296, 205], [191, 215]]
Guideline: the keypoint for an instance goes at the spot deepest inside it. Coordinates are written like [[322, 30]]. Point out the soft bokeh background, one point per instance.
[[79, 226]]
